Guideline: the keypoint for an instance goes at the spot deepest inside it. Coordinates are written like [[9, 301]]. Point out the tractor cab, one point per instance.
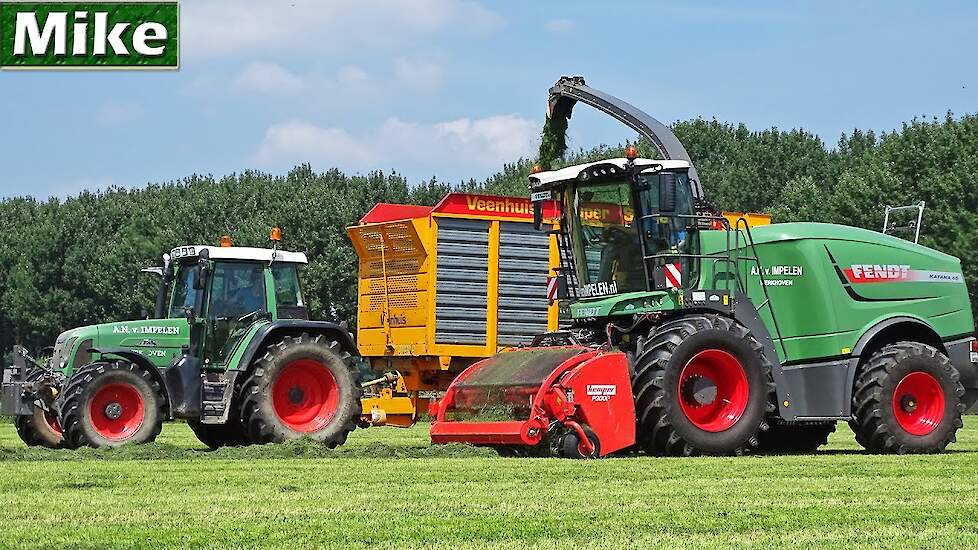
[[622, 221], [228, 289]]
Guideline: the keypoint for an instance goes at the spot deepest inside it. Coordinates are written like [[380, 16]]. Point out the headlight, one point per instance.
[[60, 358]]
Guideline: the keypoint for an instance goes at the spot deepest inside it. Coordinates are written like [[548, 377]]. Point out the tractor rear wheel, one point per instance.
[[215, 436], [907, 399], [110, 405], [795, 438], [42, 428], [303, 386], [702, 384]]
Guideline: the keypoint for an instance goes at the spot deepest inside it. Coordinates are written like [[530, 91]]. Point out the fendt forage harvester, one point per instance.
[[691, 334]]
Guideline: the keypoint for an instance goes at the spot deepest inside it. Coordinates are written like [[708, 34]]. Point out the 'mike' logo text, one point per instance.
[[147, 39], [65, 35]]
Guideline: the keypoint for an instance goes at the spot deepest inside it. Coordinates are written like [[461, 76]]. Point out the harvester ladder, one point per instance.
[[742, 285], [732, 259]]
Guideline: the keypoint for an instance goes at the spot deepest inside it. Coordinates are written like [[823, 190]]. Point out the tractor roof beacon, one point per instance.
[[230, 349], [690, 333]]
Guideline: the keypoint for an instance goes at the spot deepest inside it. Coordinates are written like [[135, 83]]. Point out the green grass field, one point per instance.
[[388, 488]]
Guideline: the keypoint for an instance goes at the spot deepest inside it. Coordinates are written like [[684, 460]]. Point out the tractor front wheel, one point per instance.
[[907, 399], [110, 405], [702, 384], [303, 386], [42, 428]]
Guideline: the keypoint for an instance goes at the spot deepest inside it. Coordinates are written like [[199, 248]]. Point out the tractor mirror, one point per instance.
[[201, 281], [537, 215], [667, 192]]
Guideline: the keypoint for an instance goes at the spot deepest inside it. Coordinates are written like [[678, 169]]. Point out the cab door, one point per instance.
[[237, 299]]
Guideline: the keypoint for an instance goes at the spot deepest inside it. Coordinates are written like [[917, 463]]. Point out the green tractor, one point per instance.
[[729, 338], [230, 349]]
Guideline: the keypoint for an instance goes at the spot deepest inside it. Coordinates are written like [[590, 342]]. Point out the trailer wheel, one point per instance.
[[907, 399], [42, 428], [111, 404], [303, 386], [795, 438], [215, 436], [702, 384]]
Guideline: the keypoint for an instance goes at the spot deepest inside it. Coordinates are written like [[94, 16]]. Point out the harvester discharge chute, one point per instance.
[[568, 401]]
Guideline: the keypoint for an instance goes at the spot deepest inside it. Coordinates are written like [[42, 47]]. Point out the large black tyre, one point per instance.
[[907, 399], [215, 436], [304, 386], [671, 399], [42, 428], [795, 438], [110, 404]]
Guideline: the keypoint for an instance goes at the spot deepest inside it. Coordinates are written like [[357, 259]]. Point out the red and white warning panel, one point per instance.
[[674, 275]]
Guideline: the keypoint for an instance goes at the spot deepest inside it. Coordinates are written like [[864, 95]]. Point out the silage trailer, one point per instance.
[[443, 287]]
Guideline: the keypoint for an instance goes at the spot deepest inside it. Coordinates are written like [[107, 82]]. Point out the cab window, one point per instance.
[[287, 291], [184, 294], [237, 289]]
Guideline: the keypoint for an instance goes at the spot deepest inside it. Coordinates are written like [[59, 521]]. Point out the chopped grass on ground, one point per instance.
[[387, 487]]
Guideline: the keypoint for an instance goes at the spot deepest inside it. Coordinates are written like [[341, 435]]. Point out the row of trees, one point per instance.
[[73, 262]]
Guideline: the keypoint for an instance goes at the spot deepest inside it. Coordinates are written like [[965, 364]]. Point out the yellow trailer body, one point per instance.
[[443, 287]]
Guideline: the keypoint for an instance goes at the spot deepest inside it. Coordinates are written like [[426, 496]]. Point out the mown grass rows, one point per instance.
[[175, 494]]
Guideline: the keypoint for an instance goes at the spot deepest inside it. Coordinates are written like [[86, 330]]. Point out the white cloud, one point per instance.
[[118, 113], [231, 27], [560, 26], [352, 76], [300, 142], [473, 144], [418, 74], [269, 78]]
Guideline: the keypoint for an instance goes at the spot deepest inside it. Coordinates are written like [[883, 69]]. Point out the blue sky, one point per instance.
[[454, 88]]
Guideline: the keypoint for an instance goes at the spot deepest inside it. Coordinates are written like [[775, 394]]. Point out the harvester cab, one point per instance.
[[231, 350], [724, 336]]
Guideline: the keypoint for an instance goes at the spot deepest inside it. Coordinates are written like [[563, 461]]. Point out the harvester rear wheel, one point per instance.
[[702, 384], [111, 404], [795, 438], [303, 386], [907, 399], [42, 428], [215, 436]]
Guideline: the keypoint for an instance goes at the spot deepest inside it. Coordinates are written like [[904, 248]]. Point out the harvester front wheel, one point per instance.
[[42, 428], [111, 404], [303, 386], [907, 399], [795, 438], [702, 384]]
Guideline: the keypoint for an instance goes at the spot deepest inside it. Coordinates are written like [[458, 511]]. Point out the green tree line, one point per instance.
[[65, 263]]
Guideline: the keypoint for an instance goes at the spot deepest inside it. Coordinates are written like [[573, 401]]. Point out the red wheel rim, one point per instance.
[[713, 390], [305, 395], [52, 421], [918, 403], [117, 411]]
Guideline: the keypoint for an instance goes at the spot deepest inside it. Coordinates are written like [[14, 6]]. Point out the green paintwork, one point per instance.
[[819, 312], [159, 340]]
